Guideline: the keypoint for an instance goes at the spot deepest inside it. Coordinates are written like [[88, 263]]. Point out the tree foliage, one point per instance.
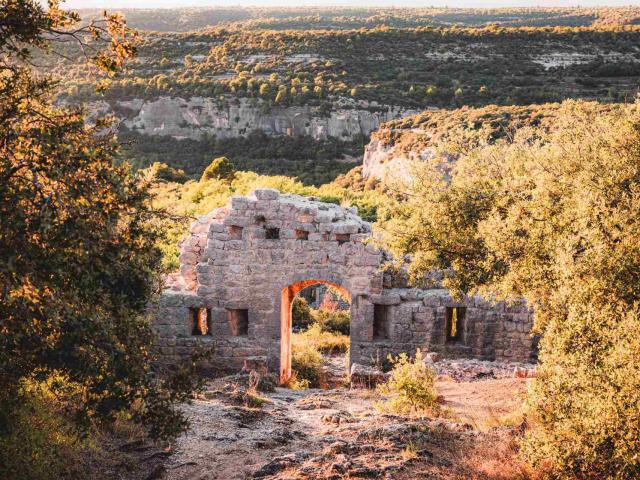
[[219, 169], [78, 255], [301, 314], [553, 217]]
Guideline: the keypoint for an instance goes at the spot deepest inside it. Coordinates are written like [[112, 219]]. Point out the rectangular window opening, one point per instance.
[[272, 233], [380, 322], [200, 321], [455, 323], [343, 238], [238, 321], [302, 235], [235, 232]]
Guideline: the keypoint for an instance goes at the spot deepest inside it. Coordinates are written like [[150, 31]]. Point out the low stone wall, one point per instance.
[[417, 319]]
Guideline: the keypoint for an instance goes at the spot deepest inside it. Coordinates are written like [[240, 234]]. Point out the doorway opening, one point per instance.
[[315, 334]]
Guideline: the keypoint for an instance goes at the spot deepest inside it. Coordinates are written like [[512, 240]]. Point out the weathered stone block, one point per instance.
[[266, 194], [392, 299]]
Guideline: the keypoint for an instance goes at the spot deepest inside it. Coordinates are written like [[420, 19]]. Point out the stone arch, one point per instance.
[[240, 261], [287, 295]]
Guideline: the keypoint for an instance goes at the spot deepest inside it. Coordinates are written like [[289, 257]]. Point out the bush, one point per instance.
[[301, 314], [552, 216], [40, 441], [306, 362], [163, 172], [337, 321], [410, 387]]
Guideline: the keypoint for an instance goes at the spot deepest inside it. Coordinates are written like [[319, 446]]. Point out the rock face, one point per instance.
[[243, 264], [383, 161], [234, 117]]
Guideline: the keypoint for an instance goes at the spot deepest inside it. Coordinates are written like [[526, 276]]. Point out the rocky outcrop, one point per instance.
[[383, 161], [232, 117], [396, 145]]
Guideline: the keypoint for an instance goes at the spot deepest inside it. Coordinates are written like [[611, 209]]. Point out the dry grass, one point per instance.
[[306, 356], [495, 457], [487, 404], [322, 341]]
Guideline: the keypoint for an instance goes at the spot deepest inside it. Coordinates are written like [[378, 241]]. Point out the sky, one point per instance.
[[343, 3]]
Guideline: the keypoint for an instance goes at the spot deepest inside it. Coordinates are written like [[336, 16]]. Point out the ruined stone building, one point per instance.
[[243, 264]]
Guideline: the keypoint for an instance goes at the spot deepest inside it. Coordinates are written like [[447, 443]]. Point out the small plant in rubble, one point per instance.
[[410, 389]]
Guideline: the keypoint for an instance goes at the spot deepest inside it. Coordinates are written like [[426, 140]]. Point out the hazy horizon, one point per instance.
[[346, 3]]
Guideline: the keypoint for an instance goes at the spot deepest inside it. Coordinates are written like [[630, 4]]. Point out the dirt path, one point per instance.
[[335, 434]]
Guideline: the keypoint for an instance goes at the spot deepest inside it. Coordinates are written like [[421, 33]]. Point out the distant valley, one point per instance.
[[282, 91]]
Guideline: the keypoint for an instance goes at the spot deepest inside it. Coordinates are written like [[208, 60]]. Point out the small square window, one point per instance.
[[455, 323], [343, 238], [302, 235], [380, 322], [272, 233], [238, 321], [235, 232], [200, 321]]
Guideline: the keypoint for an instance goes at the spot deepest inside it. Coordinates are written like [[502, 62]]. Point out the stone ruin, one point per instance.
[[243, 264]]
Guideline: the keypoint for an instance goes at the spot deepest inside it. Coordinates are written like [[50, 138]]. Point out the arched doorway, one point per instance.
[[288, 294]]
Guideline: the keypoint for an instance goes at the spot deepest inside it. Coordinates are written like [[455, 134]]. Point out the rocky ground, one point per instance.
[[339, 434]]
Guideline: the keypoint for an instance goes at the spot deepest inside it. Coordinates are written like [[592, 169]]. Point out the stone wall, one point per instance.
[[417, 319], [247, 261]]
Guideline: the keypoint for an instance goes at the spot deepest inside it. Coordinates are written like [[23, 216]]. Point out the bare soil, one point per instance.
[[339, 434]]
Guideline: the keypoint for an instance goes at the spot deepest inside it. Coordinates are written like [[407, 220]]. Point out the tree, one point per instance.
[[219, 169], [281, 96], [551, 217], [301, 314], [163, 172], [78, 255]]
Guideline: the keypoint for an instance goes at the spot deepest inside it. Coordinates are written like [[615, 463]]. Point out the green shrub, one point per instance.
[[40, 440], [301, 314], [551, 216], [410, 388], [41, 444], [337, 321]]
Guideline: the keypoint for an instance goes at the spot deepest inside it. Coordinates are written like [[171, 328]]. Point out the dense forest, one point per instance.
[[413, 68], [314, 162]]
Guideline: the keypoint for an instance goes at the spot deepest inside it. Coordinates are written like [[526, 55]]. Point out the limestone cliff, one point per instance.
[[228, 117]]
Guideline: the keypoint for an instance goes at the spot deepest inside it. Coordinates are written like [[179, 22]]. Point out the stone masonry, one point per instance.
[[242, 265]]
